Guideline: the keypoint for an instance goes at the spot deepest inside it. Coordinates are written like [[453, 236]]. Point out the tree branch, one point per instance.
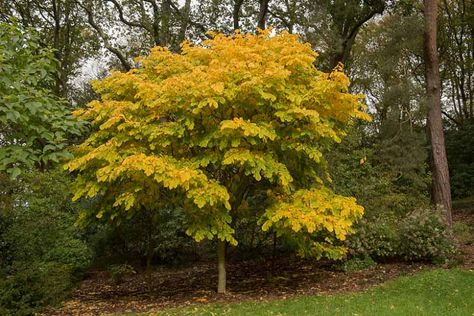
[[282, 19], [122, 18], [90, 19], [196, 24], [451, 118]]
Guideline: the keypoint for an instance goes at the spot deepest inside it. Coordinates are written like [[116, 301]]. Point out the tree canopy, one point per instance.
[[207, 128], [34, 124]]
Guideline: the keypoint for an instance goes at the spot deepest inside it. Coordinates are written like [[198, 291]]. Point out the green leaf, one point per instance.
[[14, 172]]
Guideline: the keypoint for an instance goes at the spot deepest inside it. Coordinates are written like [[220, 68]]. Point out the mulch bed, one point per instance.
[[259, 280]]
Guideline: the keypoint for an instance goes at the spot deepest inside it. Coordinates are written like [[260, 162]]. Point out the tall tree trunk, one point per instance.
[[262, 14], [221, 283], [165, 23], [56, 14], [184, 21], [439, 162], [236, 13]]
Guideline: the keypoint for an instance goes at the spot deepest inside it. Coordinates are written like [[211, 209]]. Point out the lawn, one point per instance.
[[438, 292]]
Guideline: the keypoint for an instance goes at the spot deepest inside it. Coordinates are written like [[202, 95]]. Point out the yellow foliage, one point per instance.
[[196, 129], [314, 210]]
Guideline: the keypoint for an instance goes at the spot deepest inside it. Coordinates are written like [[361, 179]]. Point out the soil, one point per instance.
[[259, 280]]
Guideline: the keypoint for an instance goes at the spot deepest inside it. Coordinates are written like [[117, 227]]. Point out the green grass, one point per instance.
[[439, 292]]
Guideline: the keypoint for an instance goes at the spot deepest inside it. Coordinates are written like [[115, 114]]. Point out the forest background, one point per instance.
[[57, 46]]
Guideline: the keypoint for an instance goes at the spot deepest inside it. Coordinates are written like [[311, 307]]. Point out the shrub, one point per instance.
[[356, 264], [464, 233], [419, 236], [388, 176], [33, 285], [424, 236], [118, 272], [377, 238], [44, 253]]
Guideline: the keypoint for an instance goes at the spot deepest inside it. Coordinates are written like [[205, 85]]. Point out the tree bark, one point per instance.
[[165, 23], [439, 164], [236, 13], [262, 14], [221, 283], [150, 244], [349, 34], [184, 21]]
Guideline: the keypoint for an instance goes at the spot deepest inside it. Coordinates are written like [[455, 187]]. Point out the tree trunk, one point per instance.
[[236, 13], [149, 250], [184, 21], [221, 283], [262, 14], [439, 163], [274, 252], [165, 23]]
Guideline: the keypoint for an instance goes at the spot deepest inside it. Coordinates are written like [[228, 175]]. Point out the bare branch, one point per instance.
[[196, 24], [90, 19], [125, 21]]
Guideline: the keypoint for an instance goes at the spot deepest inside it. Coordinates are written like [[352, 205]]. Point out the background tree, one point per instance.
[[456, 65], [141, 25], [384, 163], [60, 25], [456, 49], [439, 162], [334, 25], [42, 253], [460, 151], [331, 27], [207, 129], [34, 123]]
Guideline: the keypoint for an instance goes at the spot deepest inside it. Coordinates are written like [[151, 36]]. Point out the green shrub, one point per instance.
[[44, 253], [356, 264], [376, 238], [34, 285], [464, 233], [118, 272], [424, 236], [419, 236], [70, 251]]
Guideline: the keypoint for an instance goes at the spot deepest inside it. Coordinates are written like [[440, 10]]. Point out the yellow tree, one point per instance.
[[205, 129]]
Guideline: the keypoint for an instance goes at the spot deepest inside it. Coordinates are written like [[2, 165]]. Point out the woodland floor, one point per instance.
[[255, 280]]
